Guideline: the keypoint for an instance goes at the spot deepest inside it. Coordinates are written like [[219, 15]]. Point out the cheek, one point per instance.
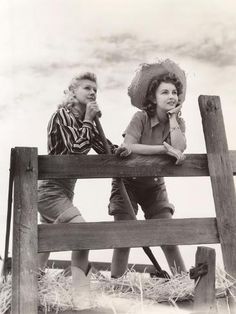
[[160, 100]]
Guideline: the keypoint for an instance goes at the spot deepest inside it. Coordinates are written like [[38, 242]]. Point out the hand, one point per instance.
[[180, 157], [122, 151], [174, 111], [92, 110]]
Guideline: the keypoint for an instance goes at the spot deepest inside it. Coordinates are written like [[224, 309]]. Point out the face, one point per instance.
[[166, 96], [86, 92]]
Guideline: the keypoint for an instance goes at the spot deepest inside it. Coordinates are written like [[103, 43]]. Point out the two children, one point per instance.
[[158, 90]]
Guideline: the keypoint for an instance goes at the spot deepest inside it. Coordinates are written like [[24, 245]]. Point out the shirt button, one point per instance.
[[134, 178], [155, 179]]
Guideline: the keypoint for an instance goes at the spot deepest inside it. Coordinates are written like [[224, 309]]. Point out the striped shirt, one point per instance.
[[68, 134]]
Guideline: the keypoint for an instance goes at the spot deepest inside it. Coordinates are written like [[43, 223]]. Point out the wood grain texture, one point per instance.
[[204, 293], [25, 242], [107, 235], [105, 166], [221, 174]]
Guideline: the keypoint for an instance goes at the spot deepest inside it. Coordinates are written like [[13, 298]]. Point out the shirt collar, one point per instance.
[[154, 121], [76, 112]]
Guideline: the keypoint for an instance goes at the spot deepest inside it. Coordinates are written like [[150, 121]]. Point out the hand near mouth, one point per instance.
[[92, 110], [174, 111]]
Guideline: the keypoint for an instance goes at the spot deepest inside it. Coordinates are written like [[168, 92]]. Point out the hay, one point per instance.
[[5, 294], [55, 289]]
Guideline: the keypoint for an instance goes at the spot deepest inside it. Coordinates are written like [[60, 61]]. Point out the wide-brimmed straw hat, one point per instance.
[[146, 73]]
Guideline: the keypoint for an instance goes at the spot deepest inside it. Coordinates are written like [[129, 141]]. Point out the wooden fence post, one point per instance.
[[221, 175], [25, 240], [204, 294]]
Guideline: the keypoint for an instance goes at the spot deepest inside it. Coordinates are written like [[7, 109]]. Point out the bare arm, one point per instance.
[[177, 135], [143, 149], [132, 146]]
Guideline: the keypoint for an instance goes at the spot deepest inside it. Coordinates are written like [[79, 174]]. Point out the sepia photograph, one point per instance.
[[118, 156]]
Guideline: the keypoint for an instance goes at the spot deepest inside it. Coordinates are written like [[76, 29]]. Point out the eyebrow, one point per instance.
[[166, 89], [90, 85]]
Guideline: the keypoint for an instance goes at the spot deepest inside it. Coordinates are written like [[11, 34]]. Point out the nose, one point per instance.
[[92, 92]]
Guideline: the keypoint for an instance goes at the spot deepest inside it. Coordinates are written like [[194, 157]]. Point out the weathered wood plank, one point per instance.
[[104, 166], [204, 293], [24, 268], [220, 169], [107, 235]]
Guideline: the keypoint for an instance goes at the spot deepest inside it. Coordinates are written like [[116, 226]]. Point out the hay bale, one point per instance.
[[55, 290]]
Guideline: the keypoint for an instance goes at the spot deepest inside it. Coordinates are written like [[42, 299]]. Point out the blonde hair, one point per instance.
[[69, 94]]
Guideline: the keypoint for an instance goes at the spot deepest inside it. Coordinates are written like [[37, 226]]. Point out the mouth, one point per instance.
[[171, 103], [91, 98]]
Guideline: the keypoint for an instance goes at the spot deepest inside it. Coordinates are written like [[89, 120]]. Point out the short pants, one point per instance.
[[55, 201], [148, 192]]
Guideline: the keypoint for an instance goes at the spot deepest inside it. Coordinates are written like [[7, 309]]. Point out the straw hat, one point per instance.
[[146, 73]]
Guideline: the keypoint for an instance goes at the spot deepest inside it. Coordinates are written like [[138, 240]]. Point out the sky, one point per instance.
[[45, 43]]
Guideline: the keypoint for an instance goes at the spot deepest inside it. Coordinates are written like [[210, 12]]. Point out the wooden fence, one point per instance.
[[30, 238]]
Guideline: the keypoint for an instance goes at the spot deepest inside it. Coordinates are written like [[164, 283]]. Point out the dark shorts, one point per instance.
[[148, 192], [55, 201]]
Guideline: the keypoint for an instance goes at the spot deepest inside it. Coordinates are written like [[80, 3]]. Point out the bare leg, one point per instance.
[[119, 262], [80, 275], [79, 258], [120, 256], [172, 252], [42, 260], [174, 258]]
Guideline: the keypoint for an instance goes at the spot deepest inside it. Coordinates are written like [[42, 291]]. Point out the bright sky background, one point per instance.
[[45, 43]]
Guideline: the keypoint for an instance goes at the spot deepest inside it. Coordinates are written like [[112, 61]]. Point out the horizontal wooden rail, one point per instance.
[[104, 166], [108, 235]]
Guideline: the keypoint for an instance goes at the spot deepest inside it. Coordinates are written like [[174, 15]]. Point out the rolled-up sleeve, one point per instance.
[[135, 127]]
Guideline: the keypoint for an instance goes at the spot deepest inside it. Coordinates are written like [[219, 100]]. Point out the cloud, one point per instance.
[[210, 50], [124, 48]]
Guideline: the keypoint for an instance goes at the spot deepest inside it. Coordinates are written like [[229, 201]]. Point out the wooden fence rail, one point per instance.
[[104, 166], [29, 238], [94, 235]]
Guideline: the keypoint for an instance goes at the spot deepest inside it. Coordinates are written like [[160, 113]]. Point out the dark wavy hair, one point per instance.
[[149, 105]]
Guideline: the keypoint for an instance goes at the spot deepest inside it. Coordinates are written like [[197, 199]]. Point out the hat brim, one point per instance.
[[146, 73]]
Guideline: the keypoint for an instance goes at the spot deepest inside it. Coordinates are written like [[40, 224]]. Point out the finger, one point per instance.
[[167, 146], [123, 154], [180, 160], [99, 114], [119, 150]]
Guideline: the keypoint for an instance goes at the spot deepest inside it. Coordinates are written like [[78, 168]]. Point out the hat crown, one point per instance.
[[146, 72]]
